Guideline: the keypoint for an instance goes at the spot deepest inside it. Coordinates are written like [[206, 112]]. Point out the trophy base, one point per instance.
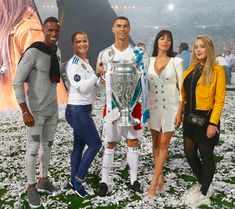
[[125, 122]]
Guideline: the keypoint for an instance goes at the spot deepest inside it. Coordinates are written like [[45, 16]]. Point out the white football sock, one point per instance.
[[133, 160], [107, 164]]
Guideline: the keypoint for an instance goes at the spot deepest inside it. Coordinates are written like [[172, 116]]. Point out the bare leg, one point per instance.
[[155, 142], [160, 183], [155, 149], [159, 162]]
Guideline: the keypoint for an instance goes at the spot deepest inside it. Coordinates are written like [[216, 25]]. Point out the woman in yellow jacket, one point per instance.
[[203, 94]]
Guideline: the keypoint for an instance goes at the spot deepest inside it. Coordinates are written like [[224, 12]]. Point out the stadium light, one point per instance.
[[171, 7]]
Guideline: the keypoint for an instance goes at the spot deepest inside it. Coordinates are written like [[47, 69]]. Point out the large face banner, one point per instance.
[[20, 25]]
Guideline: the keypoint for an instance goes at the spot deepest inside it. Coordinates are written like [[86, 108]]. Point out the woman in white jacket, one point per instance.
[[164, 75]]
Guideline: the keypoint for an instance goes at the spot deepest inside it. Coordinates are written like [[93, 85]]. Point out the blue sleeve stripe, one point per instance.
[[75, 60]]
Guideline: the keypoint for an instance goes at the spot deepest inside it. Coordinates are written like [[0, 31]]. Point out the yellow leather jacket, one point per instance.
[[209, 97]]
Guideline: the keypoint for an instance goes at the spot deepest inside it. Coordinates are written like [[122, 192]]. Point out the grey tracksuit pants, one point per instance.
[[40, 140]]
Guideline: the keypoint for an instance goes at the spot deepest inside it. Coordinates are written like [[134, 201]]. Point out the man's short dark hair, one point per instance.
[[183, 46], [51, 19], [121, 18]]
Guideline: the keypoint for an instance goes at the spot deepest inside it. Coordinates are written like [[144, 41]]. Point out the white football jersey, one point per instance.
[[113, 54], [82, 82]]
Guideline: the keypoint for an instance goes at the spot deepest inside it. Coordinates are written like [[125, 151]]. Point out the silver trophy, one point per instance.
[[124, 79]]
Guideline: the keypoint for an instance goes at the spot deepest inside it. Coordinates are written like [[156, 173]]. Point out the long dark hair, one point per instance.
[[170, 52]]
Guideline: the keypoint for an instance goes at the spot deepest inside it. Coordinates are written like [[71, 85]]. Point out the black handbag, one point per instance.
[[198, 120]]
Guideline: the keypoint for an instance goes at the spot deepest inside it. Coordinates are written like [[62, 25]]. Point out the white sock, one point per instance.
[[133, 160], [107, 164]]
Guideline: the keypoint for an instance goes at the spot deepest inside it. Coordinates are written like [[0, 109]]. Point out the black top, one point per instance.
[[190, 84]]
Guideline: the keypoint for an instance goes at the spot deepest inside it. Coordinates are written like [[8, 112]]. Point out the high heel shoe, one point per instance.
[[151, 193], [160, 185]]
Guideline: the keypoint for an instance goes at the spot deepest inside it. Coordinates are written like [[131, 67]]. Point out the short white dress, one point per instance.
[[164, 95]]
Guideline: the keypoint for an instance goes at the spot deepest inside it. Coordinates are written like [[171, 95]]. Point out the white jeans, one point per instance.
[[41, 136]]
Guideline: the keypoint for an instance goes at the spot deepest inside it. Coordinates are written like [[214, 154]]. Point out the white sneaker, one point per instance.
[[210, 192], [195, 188], [192, 198], [202, 200], [197, 199], [191, 192]]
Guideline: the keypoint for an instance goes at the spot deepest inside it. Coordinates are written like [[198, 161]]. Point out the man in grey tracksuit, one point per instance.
[[39, 68]]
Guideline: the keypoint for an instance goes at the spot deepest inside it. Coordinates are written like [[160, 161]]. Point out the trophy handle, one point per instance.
[[136, 94], [146, 59], [116, 100]]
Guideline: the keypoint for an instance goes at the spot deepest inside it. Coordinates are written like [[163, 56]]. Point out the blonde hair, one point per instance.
[[207, 70]]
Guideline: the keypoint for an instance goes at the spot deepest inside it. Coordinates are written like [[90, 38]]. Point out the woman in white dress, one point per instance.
[[164, 75]]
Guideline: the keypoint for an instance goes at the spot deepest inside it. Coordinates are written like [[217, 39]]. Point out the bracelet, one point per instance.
[[24, 113]]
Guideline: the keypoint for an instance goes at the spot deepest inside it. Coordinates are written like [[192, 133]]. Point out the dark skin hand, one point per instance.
[[27, 116]]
